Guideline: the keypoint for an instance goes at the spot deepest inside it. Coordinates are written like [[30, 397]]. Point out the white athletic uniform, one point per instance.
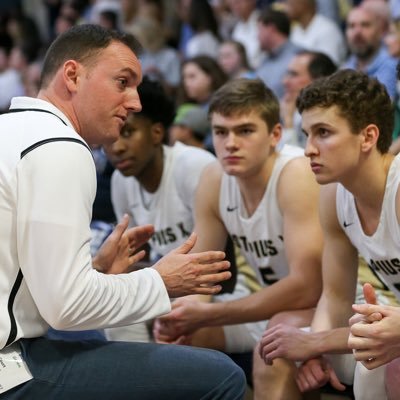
[[47, 187], [260, 240], [169, 209], [381, 250]]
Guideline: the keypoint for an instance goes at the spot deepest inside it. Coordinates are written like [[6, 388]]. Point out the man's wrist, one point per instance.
[[319, 344]]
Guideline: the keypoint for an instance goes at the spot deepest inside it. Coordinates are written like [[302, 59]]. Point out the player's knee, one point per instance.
[[284, 317]]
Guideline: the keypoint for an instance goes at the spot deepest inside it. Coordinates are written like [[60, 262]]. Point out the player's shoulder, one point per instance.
[[297, 169], [211, 176], [213, 170], [190, 158], [184, 151]]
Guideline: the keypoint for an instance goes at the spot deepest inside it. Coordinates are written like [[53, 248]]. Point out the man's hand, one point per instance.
[[195, 273], [285, 341], [117, 253], [316, 373]]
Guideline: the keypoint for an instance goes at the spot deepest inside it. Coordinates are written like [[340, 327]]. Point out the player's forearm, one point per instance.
[[333, 341], [281, 296], [331, 313]]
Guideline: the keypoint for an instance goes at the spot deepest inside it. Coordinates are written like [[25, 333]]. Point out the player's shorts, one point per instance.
[[241, 338]]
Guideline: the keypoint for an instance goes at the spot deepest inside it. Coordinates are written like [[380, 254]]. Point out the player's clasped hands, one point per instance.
[[286, 341]]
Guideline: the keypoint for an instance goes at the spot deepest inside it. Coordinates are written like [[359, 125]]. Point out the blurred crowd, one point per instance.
[[193, 46]]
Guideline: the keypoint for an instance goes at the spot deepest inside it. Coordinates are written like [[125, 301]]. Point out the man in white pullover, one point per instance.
[[47, 186]]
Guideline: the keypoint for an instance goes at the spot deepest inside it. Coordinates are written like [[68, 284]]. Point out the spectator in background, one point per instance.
[[305, 67], [159, 61], [23, 29], [10, 80], [381, 9], [314, 31], [185, 31], [245, 30], [32, 78], [392, 38], [232, 58], [19, 59], [64, 17], [99, 6], [134, 11], [226, 19], [153, 9], [273, 37], [129, 11], [394, 6], [201, 77], [190, 126], [62, 23], [204, 25], [364, 32], [330, 9], [392, 42], [108, 19]]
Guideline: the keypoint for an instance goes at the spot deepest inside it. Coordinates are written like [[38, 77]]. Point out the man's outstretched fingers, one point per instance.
[[121, 227], [208, 256], [185, 247], [211, 279]]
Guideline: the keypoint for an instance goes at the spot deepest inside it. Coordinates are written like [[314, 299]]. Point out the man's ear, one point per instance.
[[276, 134], [369, 137], [157, 133], [71, 71]]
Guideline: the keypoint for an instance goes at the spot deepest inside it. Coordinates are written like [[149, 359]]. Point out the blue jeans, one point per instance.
[[96, 370]]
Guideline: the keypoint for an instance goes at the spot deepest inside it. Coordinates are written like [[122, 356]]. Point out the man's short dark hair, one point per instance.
[[320, 64], [82, 43], [242, 96], [156, 104], [277, 18], [360, 99]]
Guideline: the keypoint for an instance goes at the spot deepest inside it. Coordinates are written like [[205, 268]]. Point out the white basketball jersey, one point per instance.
[[260, 236], [382, 249], [170, 208]]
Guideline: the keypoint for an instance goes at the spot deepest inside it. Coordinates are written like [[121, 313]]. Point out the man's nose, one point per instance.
[[133, 103], [231, 140], [309, 147]]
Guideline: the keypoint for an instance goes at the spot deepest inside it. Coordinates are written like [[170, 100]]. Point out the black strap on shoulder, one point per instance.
[[50, 140], [15, 110], [57, 139]]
